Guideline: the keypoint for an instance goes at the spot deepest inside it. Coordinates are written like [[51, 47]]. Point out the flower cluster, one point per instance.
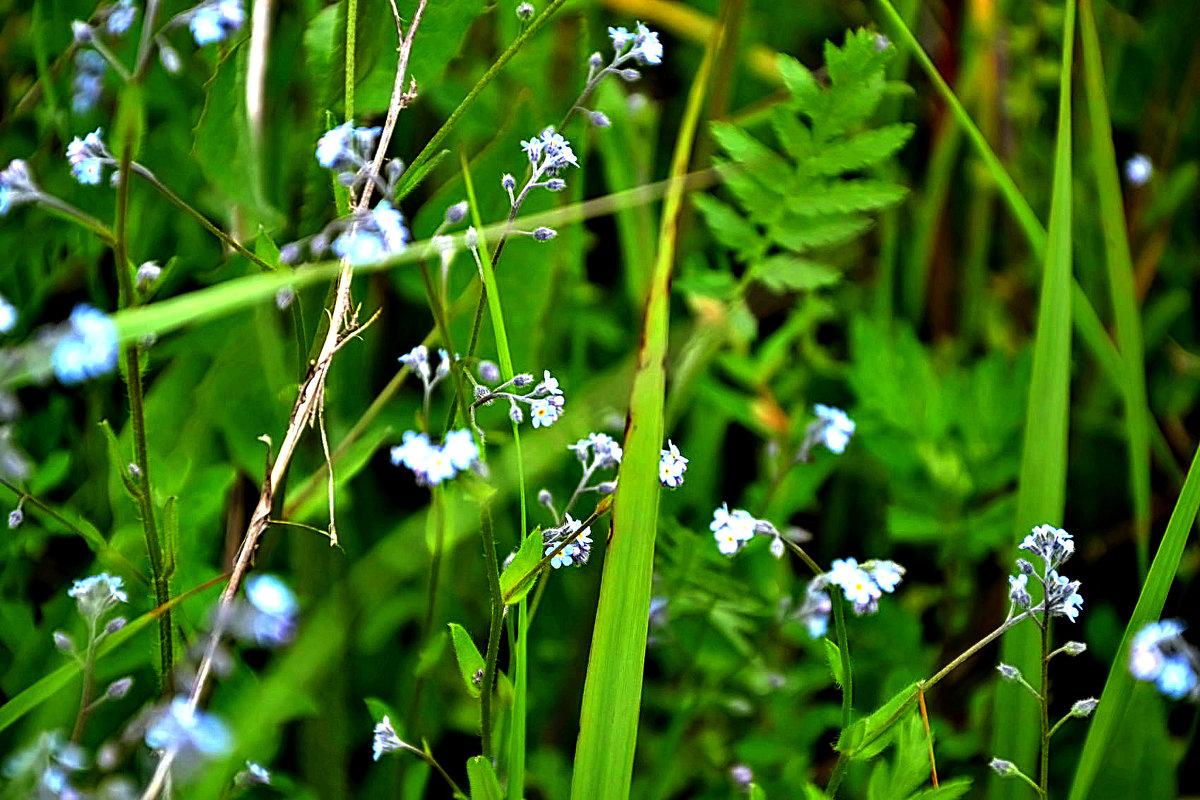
[[578, 545], [671, 466], [16, 186], [87, 156], [96, 595], [598, 451], [43, 769], [545, 400], [215, 20], [347, 149], [269, 617], [432, 464], [187, 731], [372, 235], [1160, 655], [548, 153], [88, 349], [1061, 595], [832, 428], [642, 46], [864, 584]]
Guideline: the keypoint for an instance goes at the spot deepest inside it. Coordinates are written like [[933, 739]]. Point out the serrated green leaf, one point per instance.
[[799, 81], [840, 197], [798, 234], [858, 151], [786, 272], [745, 149], [470, 662]]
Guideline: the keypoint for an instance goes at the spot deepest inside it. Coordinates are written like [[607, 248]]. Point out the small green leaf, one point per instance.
[[119, 461], [868, 737], [517, 578], [470, 662], [482, 779], [729, 227], [833, 656]]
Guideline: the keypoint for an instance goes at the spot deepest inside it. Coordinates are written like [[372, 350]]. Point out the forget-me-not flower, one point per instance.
[[837, 428], [731, 529], [545, 411], [386, 740], [1139, 169], [8, 315], [97, 594], [16, 186], [88, 81], [121, 17], [214, 20], [87, 156], [189, 731], [88, 349], [646, 48], [671, 466], [1160, 655]]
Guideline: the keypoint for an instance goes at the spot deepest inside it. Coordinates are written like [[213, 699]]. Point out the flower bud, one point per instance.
[[82, 32], [629, 75], [115, 624], [15, 518], [525, 12], [147, 274], [524, 379], [63, 641], [544, 234], [777, 547], [472, 238], [488, 371], [134, 470], [545, 498], [742, 775], [606, 487], [515, 414], [508, 182], [1003, 768], [596, 61], [881, 42], [1009, 672], [556, 184], [118, 689], [1084, 708], [481, 392], [1074, 648], [599, 119], [170, 59], [456, 213], [1025, 567], [285, 297]]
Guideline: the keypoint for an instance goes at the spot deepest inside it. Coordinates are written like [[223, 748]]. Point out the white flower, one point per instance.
[[857, 585], [550, 383], [887, 574], [461, 449], [414, 452], [386, 740], [731, 528], [1139, 169]]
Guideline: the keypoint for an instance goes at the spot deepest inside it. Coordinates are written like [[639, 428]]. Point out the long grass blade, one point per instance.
[[612, 690], [1041, 493], [1120, 281], [1114, 700]]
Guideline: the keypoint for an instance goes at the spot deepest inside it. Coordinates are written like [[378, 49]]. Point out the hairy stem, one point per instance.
[[89, 684], [1044, 690]]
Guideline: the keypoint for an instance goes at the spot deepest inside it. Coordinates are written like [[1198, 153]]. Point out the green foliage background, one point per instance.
[[861, 251]]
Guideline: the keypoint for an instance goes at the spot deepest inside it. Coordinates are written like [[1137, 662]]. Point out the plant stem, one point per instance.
[[973, 649], [1044, 772], [137, 420], [89, 684]]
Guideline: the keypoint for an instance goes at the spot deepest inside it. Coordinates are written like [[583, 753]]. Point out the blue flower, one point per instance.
[[16, 185], [1018, 590], [671, 466], [214, 20], [413, 452], [731, 529], [187, 730], [544, 412], [1062, 596], [271, 621], [549, 153], [564, 557], [836, 428], [87, 156], [1053, 544], [88, 349], [575, 553], [1176, 678], [461, 449], [1160, 655], [857, 584], [887, 574], [347, 148], [8, 315], [372, 235], [646, 47], [386, 740]]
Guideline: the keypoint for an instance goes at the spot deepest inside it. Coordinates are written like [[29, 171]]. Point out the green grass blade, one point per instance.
[[1120, 281], [612, 690], [1041, 493], [1114, 700]]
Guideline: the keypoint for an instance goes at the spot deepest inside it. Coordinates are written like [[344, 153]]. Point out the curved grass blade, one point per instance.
[[612, 690], [1114, 700], [1042, 486]]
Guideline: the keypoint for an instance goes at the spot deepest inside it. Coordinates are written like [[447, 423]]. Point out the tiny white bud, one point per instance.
[[82, 32], [508, 182], [544, 234], [1009, 672], [115, 624], [777, 547], [525, 12], [1074, 648], [1084, 708], [556, 184], [599, 119], [514, 413], [488, 371], [472, 238], [545, 498], [15, 518], [63, 641], [169, 58], [524, 379], [1003, 768], [118, 688], [606, 487], [630, 75], [285, 297], [596, 61], [134, 470], [147, 274]]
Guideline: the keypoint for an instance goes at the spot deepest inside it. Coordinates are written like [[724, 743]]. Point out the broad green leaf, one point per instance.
[[470, 662], [867, 737], [1042, 485]]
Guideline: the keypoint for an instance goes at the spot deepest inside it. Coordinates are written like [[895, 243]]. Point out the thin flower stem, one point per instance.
[[70, 212], [137, 421], [1058, 725], [112, 60], [146, 44], [973, 649], [839, 622], [587, 475]]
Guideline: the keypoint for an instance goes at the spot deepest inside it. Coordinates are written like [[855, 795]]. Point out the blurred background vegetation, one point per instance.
[[921, 328]]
